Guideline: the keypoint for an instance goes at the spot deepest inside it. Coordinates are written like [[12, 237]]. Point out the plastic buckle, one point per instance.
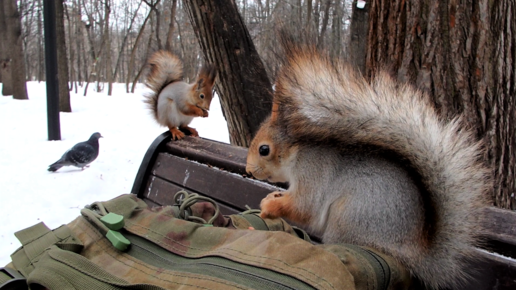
[[17, 281], [115, 222]]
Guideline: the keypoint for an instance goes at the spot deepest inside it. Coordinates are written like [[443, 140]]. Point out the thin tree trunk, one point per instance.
[[243, 87], [79, 39], [5, 58], [62, 60], [463, 55], [168, 43], [13, 22], [308, 24], [320, 40], [107, 51], [317, 15], [71, 53], [140, 71], [94, 66], [41, 65], [336, 40], [357, 45], [124, 42], [153, 7], [133, 52]]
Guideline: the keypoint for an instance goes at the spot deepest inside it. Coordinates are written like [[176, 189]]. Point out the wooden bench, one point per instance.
[[217, 170]]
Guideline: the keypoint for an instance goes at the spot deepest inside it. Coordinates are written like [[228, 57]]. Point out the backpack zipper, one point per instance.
[[217, 267]]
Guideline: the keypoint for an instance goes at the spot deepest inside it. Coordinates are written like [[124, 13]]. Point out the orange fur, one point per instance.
[[176, 134], [281, 204]]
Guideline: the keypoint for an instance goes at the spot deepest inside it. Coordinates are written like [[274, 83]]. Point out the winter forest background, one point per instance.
[[463, 54], [109, 41]]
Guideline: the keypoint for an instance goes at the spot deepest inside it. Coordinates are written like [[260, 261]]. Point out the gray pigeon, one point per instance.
[[80, 155]]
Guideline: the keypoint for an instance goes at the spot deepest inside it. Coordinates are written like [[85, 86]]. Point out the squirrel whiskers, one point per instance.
[[372, 164]]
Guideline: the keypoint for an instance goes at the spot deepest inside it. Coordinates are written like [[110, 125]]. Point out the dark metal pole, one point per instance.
[[49, 14]]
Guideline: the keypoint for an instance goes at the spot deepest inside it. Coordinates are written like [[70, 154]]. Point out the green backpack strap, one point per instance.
[[36, 239], [368, 265], [11, 279], [64, 270], [381, 268], [251, 219]]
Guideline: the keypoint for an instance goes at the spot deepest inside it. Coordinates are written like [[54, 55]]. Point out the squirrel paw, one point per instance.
[[192, 131], [273, 205], [176, 134]]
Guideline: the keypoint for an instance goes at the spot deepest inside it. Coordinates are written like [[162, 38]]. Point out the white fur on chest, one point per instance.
[[169, 104]]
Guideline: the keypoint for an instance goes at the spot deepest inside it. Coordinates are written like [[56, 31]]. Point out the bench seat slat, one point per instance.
[[233, 189], [161, 192]]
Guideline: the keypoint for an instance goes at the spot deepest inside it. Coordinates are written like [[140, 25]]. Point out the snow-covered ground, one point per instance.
[[31, 194]]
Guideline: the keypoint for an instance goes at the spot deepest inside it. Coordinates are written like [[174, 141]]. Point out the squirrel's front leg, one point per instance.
[[192, 110], [281, 204]]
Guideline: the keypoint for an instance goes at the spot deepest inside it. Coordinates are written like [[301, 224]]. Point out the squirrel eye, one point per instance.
[[264, 150], [201, 96]]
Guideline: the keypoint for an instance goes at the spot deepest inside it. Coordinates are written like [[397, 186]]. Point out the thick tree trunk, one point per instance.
[[14, 42], [62, 60], [243, 87], [464, 55], [5, 58]]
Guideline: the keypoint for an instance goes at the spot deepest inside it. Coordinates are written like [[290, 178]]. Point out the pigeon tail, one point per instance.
[[58, 164], [54, 167]]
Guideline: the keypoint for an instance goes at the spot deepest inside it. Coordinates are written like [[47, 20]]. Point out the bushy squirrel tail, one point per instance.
[[165, 68], [321, 99]]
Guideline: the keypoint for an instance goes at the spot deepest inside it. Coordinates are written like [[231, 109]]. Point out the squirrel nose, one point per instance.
[[248, 172]]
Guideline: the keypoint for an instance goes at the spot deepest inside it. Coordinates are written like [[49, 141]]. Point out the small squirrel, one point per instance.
[[174, 102], [371, 164]]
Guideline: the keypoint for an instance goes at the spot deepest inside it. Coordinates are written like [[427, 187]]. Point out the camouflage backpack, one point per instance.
[[123, 244]]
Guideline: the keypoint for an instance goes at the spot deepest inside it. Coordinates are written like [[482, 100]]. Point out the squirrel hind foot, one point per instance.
[[176, 133], [192, 131]]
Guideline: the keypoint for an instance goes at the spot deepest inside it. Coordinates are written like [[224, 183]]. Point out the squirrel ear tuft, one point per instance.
[[274, 114], [200, 84], [208, 73]]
